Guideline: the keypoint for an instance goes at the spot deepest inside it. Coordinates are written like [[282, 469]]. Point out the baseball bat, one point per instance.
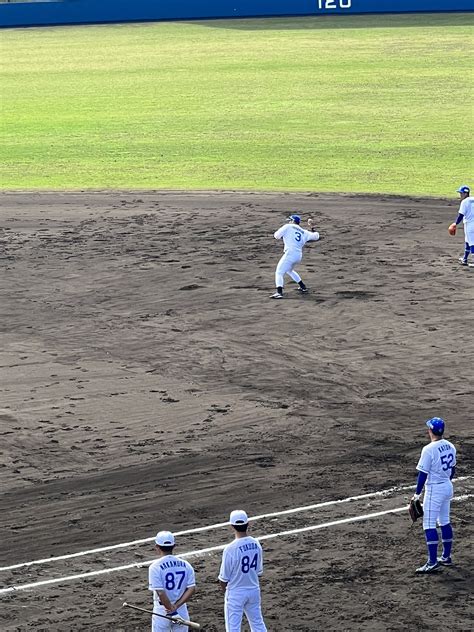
[[174, 619]]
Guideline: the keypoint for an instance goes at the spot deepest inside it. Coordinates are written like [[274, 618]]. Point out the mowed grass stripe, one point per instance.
[[356, 104]]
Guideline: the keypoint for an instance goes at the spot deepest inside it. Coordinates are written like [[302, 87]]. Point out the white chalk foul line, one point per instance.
[[218, 525], [212, 549]]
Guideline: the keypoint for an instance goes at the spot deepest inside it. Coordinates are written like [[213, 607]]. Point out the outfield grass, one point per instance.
[[356, 104]]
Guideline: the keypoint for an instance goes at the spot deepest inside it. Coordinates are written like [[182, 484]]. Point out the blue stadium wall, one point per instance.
[[97, 11]]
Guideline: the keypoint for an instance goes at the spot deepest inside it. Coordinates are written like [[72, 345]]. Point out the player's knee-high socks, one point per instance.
[[431, 536], [447, 539], [467, 250]]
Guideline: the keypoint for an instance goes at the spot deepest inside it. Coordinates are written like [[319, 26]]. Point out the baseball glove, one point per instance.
[[452, 229], [415, 509]]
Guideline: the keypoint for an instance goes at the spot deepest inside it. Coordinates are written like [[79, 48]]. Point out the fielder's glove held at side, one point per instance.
[[415, 508]]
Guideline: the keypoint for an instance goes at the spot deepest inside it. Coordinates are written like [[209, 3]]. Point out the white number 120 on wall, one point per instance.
[[334, 4]]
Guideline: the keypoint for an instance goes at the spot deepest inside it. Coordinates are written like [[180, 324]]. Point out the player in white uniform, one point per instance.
[[436, 468], [172, 582], [242, 565], [294, 237], [466, 215]]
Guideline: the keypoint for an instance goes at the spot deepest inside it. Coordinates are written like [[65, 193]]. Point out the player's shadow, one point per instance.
[[339, 22]]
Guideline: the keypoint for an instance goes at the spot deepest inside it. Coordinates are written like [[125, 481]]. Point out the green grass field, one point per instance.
[[354, 104]]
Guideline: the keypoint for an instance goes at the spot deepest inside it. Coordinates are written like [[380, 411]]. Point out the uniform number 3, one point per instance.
[[172, 580], [247, 564], [297, 236], [447, 461]]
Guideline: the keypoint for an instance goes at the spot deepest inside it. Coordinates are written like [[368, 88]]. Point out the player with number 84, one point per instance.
[[241, 567]]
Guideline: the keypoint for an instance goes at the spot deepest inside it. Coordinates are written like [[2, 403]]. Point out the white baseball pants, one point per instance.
[[285, 266], [163, 625], [240, 602], [437, 504], [469, 233]]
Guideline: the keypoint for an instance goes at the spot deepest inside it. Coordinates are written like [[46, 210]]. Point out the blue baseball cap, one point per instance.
[[295, 218], [463, 189], [436, 425]]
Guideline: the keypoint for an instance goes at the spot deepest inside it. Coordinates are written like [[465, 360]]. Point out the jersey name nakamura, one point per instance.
[[171, 564]]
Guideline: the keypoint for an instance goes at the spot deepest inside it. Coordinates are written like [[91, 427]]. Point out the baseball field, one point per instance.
[[147, 381]]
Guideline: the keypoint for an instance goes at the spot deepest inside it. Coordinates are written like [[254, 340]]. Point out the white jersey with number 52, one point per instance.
[[437, 460], [294, 237]]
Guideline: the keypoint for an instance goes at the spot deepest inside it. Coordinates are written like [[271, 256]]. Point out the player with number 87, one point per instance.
[[241, 567], [172, 582]]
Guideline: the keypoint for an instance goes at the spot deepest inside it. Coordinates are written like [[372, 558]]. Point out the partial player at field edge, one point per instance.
[[465, 215]]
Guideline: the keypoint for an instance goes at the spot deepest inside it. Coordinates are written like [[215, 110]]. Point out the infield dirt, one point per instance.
[[147, 381]]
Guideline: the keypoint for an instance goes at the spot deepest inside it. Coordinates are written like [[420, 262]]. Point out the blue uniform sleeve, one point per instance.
[[459, 218], [453, 472], [420, 483]]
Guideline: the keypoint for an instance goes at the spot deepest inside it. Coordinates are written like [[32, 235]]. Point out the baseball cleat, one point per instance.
[[462, 261], [428, 568], [276, 295], [303, 290], [445, 561]]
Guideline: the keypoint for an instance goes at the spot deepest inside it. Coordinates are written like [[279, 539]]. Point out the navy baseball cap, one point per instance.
[[463, 189], [436, 425], [295, 218]]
